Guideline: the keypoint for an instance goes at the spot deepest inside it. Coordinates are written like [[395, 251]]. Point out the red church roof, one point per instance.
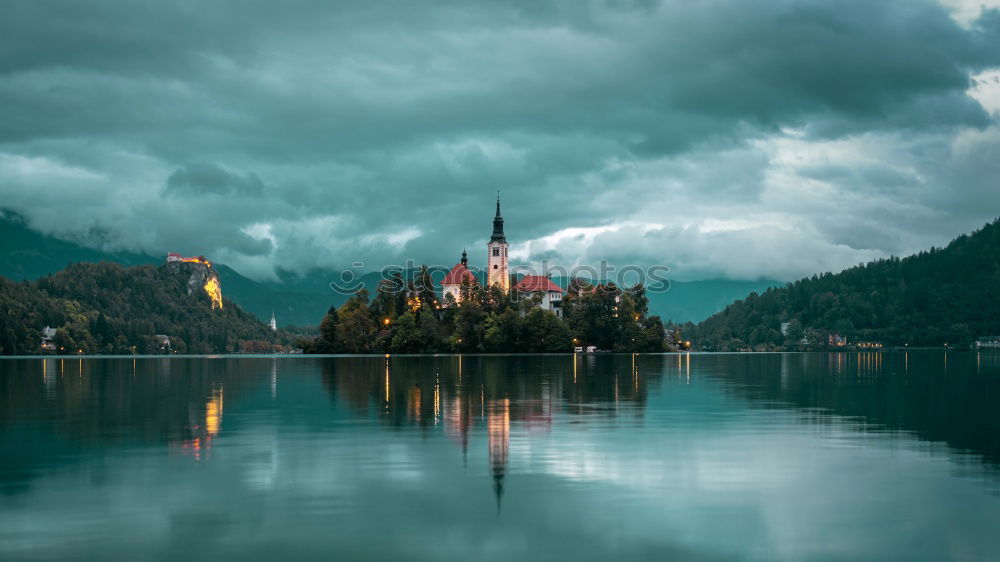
[[458, 274], [537, 283]]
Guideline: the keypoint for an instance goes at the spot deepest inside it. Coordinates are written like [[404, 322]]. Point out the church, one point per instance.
[[498, 273]]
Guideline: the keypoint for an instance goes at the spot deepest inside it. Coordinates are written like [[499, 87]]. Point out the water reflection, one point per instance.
[[462, 393], [203, 433], [621, 456], [498, 430], [908, 391]]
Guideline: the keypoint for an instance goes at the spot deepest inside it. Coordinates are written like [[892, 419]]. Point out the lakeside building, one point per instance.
[[497, 264], [163, 341], [48, 339], [498, 272], [549, 293], [459, 275], [988, 341]]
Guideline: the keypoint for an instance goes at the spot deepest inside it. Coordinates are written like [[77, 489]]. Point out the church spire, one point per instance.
[[465, 257], [498, 235]]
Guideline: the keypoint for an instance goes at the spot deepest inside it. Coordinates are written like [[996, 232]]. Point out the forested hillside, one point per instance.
[[108, 308], [941, 296]]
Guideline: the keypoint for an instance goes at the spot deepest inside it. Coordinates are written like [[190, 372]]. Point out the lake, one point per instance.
[[813, 456]]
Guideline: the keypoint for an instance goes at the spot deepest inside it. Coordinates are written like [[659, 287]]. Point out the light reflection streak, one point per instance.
[[387, 383], [274, 378], [437, 399], [213, 412]]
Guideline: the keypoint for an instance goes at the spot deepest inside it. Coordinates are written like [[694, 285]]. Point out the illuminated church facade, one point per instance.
[[498, 273]]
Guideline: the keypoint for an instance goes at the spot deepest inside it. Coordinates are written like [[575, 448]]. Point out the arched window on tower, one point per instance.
[[496, 251]]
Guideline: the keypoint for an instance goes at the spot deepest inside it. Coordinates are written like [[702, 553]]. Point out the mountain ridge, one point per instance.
[[303, 300], [946, 296]]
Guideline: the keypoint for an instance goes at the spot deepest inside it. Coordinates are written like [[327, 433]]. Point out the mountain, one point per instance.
[[947, 295], [693, 301], [26, 254], [108, 308], [303, 298], [291, 305]]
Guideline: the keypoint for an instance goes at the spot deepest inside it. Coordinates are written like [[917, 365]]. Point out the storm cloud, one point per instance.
[[723, 138]]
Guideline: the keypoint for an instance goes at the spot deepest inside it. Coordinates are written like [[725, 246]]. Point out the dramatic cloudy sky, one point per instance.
[[724, 138]]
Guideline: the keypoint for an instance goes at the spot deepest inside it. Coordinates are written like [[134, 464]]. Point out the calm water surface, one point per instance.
[[870, 456]]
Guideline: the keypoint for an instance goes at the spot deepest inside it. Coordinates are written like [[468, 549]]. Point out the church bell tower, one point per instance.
[[497, 272]]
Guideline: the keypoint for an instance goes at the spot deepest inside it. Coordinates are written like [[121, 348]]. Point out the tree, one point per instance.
[[467, 327], [541, 331], [650, 337], [355, 329], [329, 340], [501, 332]]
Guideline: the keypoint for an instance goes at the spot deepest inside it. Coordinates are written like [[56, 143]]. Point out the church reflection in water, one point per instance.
[[484, 404], [498, 432], [468, 397]]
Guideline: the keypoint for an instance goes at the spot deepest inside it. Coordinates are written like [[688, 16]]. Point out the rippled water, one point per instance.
[[871, 456]]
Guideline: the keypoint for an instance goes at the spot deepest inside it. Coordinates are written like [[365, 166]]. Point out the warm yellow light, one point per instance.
[[213, 412], [386, 321], [214, 291]]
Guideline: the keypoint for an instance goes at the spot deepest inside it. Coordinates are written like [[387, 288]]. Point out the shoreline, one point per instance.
[[515, 354]]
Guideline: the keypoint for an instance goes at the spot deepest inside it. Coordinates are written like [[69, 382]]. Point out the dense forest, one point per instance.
[[944, 296], [408, 317], [110, 309]]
